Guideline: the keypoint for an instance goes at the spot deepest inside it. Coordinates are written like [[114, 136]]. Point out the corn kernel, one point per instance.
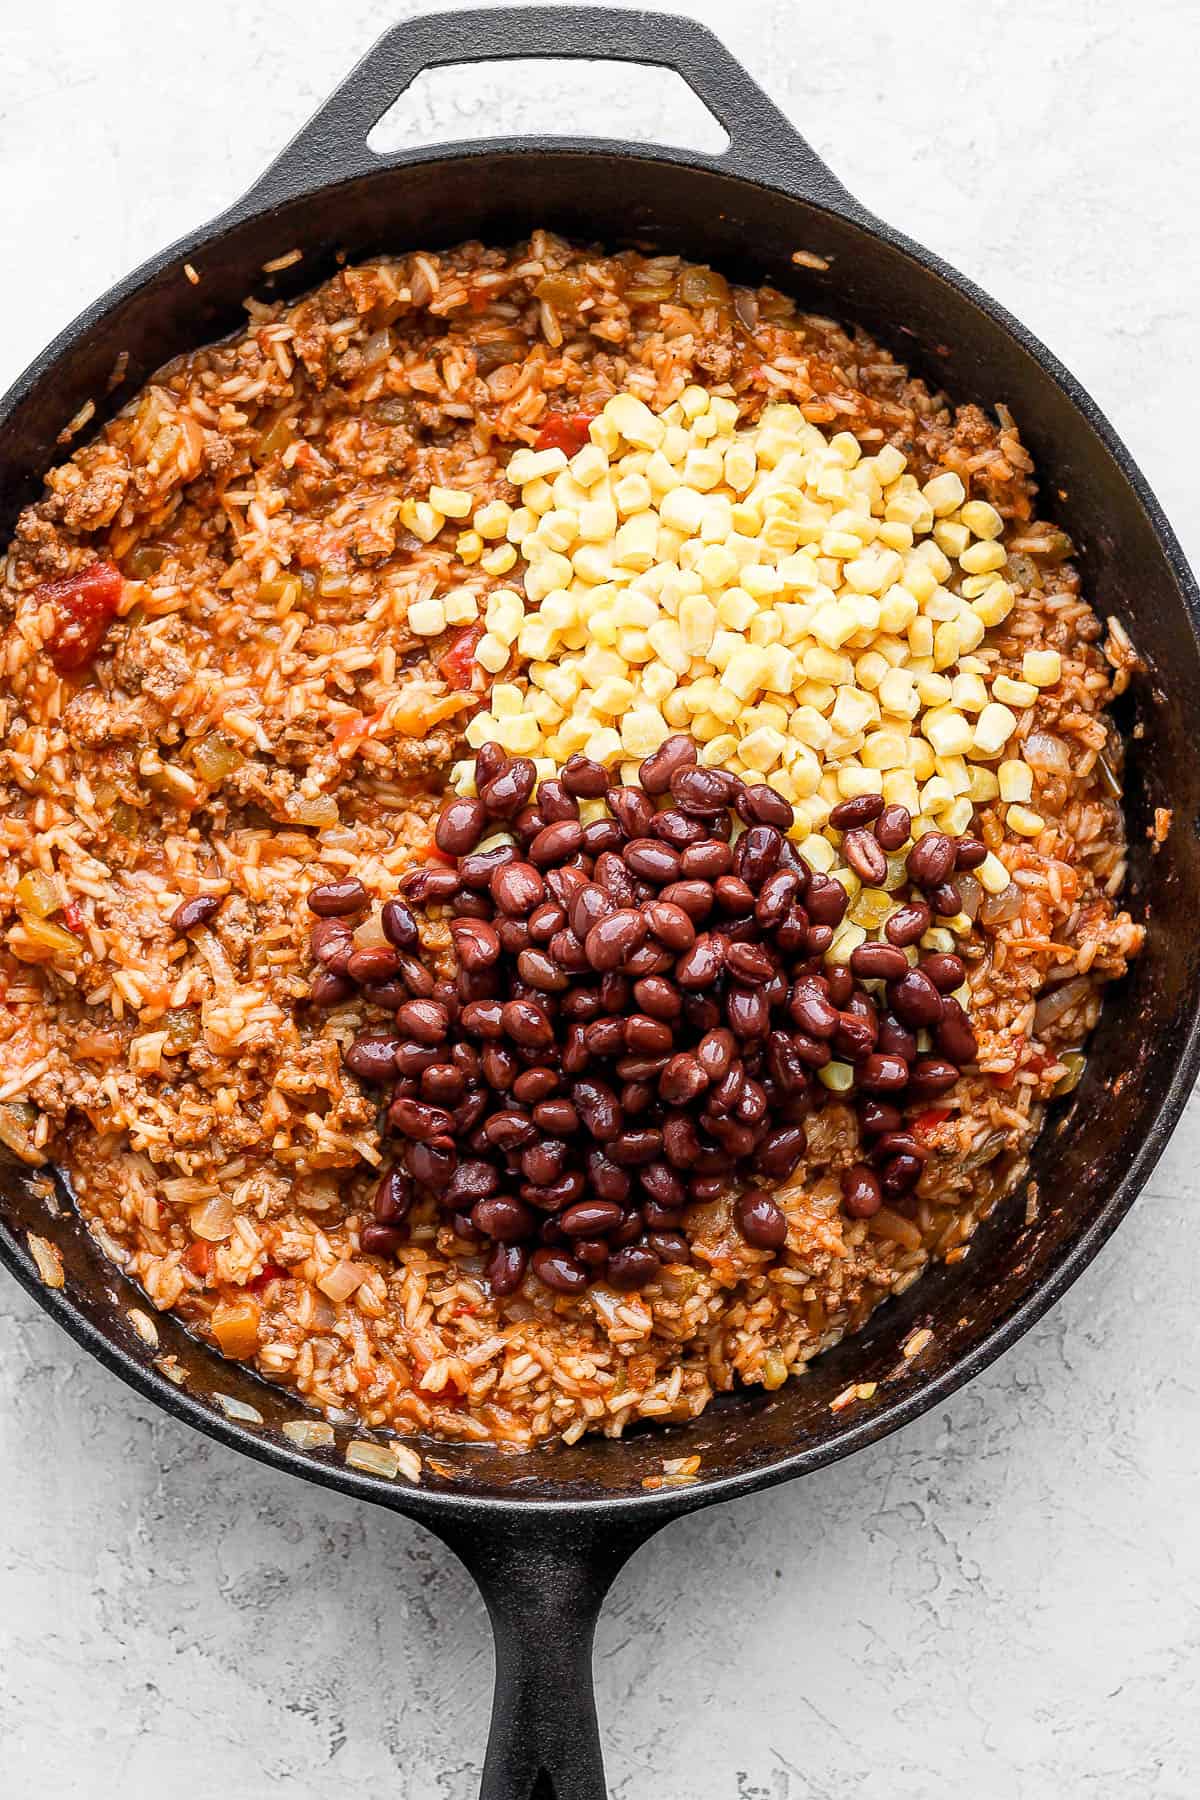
[[1016, 781], [492, 520], [468, 547], [499, 560], [982, 519], [982, 558], [1015, 693], [491, 653], [948, 731], [994, 606], [992, 874], [461, 606], [945, 493], [1042, 668], [427, 618], [1021, 819], [423, 520], [951, 537], [993, 729]]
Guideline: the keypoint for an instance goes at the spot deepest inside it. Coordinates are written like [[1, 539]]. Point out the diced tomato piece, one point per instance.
[[926, 1122], [458, 663], [567, 432], [74, 916], [84, 606], [267, 1274], [198, 1257]]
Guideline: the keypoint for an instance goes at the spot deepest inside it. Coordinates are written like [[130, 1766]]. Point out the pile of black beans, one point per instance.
[[640, 1009]]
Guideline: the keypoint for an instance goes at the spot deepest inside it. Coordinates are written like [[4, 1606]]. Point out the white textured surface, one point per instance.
[[1004, 1601]]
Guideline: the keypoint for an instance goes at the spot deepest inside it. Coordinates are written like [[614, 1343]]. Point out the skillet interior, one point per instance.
[[1094, 1157]]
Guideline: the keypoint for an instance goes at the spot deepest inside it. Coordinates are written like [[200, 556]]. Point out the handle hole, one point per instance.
[[554, 97]]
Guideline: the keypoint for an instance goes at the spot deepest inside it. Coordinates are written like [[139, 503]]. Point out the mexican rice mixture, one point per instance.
[[558, 829]]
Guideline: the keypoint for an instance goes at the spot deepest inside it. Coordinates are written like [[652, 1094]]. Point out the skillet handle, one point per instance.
[[763, 146], [544, 1582]]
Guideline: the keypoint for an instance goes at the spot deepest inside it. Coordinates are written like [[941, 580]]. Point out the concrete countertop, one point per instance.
[[1002, 1601]]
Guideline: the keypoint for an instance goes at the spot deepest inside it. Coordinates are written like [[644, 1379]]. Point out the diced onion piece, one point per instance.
[[1052, 1006], [36, 893], [997, 909], [342, 1280], [213, 1219], [308, 1434], [373, 1459], [234, 1408]]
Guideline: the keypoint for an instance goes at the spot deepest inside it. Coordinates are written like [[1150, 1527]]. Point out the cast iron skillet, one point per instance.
[[544, 1535]]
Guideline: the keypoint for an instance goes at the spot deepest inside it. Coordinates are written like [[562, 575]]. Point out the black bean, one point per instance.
[[476, 943], [861, 1198], [876, 1117], [472, 1180], [700, 965], [557, 1116], [568, 952], [701, 1012], [854, 1037], [591, 1218], [393, 1197], [954, 1035], [509, 1130], [695, 898], [443, 1084], [892, 828], [332, 944], [534, 1085], [706, 860], [930, 1076], [505, 1268], [615, 938], [643, 1033], [415, 1119], [378, 962], [931, 859], [556, 843], [597, 1107], [632, 1267], [839, 984], [864, 853], [756, 855], [945, 900], [584, 777], [565, 883], [427, 1021], [328, 989], [910, 922], [334, 898], [733, 895], [502, 1218], [914, 999], [715, 1053], [631, 809], [381, 1240], [881, 1073], [749, 962], [969, 852], [780, 1151], [477, 869], [588, 907], [878, 962], [608, 1179], [826, 900], [600, 835], [663, 1185], [508, 791], [527, 1024], [483, 1018], [759, 804], [670, 925], [677, 752], [677, 829], [372, 1056], [857, 811], [762, 1221], [811, 1008], [945, 970], [704, 791], [775, 896], [544, 1161], [413, 1059], [658, 997], [896, 1039], [652, 860], [539, 970], [460, 825], [517, 888], [430, 883], [746, 1012], [605, 1037], [682, 1080], [901, 1173], [632, 1149], [559, 1271], [431, 1161], [556, 802]]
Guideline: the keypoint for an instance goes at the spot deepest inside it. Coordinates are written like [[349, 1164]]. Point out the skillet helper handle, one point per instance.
[[544, 1582], [763, 144]]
